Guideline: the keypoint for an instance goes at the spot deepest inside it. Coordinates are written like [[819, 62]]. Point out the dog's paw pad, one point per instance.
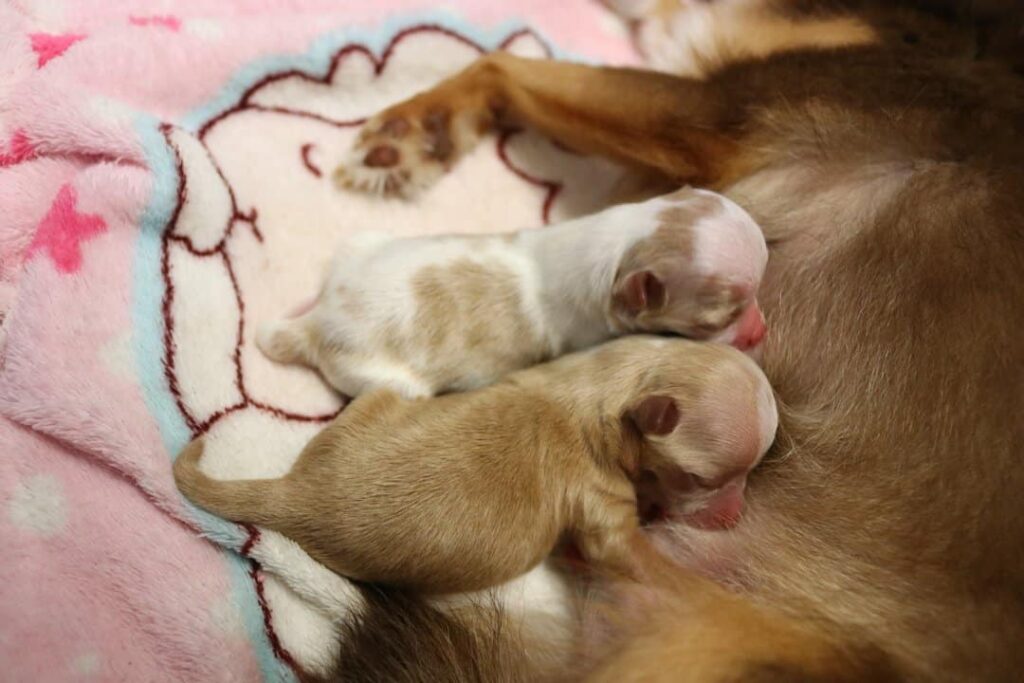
[[400, 154], [382, 156]]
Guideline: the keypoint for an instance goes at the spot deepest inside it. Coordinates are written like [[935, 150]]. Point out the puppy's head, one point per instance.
[[696, 274], [705, 418]]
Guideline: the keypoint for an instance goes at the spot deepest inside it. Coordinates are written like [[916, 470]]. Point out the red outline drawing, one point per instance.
[[551, 189]]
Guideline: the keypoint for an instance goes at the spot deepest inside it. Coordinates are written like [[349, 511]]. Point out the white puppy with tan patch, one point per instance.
[[427, 315]]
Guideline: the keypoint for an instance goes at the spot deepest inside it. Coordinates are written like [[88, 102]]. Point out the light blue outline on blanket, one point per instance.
[[147, 337], [148, 287], [317, 60]]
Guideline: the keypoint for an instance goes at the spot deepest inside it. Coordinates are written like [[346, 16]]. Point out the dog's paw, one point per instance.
[[406, 149]]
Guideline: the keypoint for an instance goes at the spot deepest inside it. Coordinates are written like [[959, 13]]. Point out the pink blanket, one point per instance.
[[164, 186]]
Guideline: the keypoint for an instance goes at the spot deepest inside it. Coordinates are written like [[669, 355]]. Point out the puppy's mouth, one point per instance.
[[687, 498], [721, 509]]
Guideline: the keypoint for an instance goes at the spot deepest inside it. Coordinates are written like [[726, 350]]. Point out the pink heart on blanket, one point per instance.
[[19, 149], [48, 46], [63, 229], [168, 21]]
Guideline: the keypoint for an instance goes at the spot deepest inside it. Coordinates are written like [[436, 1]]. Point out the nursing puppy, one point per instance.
[[425, 315], [468, 490]]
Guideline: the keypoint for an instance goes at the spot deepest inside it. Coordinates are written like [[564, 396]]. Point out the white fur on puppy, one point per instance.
[[432, 314]]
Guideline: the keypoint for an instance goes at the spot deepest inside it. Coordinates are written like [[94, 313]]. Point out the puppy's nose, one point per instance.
[[750, 328], [723, 509]]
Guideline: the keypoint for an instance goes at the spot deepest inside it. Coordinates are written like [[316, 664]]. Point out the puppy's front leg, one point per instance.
[[610, 538], [669, 125]]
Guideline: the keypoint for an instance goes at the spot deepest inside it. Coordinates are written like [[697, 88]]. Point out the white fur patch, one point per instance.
[[729, 241]]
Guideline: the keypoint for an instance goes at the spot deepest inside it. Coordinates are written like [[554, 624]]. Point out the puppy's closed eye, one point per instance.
[[656, 415]]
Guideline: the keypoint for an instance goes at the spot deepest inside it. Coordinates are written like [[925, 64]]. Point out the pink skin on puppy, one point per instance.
[[700, 282], [733, 427]]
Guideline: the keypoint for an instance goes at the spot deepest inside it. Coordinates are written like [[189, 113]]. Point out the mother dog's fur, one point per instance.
[[888, 176]]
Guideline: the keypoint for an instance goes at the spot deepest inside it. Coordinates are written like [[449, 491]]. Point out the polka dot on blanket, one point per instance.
[[38, 505]]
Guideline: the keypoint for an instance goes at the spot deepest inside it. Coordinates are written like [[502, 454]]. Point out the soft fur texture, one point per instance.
[[468, 490], [426, 315], [885, 167], [128, 316]]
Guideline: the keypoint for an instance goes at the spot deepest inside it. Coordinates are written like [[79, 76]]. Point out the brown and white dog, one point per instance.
[[469, 490], [880, 145], [426, 315]]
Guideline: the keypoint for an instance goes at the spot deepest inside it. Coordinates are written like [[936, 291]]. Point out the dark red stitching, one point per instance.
[[169, 344], [294, 417], [252, 540], [237, 356], [255, 572], [378, 66], [168, 300], [275, 643], [236, 214], [304, 153], [551, 187], [264, 109]]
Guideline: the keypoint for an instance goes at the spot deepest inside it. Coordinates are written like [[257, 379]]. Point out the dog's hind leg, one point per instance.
[[676, 127]]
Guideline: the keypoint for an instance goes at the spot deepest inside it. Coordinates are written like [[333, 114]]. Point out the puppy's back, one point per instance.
[[459, 310], [454, 493]]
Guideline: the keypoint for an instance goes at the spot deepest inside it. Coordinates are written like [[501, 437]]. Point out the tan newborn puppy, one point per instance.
[[465, 491]]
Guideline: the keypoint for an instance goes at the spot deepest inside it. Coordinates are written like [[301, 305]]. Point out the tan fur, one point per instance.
[[711, 304], [457, 305], [887, 178], [699, 39], [679, 626], [423, 316], [465, 491]]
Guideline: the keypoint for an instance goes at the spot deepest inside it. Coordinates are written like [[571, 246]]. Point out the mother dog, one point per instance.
[[881, 147]]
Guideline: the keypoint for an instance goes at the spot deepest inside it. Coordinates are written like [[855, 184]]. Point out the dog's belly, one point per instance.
[[808, 219], [840, 521]]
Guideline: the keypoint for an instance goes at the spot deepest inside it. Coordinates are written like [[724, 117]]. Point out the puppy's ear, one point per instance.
[[655, 415], [642, 291]]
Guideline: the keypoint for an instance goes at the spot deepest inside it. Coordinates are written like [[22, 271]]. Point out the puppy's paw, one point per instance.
[[406, 149], [280, 341]]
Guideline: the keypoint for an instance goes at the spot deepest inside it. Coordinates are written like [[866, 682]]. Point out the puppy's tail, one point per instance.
[[240, 500]]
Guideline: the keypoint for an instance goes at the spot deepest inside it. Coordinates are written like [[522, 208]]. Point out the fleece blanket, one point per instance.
[[165, 186]]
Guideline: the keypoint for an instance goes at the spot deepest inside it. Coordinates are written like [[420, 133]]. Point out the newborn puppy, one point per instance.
[[468, 490], [426, 315]]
